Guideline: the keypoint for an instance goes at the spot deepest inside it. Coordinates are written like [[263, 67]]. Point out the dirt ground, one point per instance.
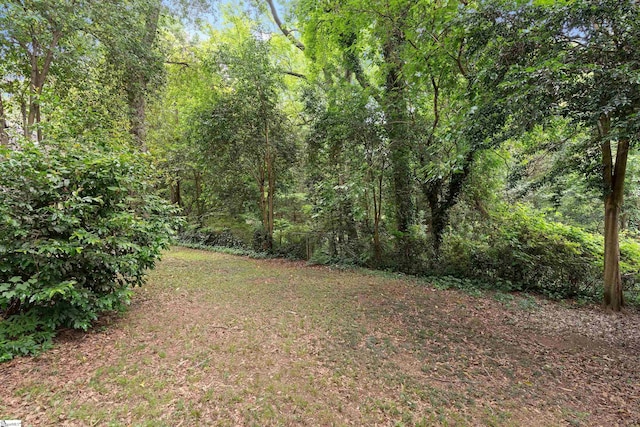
[[215, 339]]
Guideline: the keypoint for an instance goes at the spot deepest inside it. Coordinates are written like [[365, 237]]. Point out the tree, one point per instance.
[[412, 58], [245, 133], [35, 34], [130, 34], [347, 161], [578, 60], [337, 36]]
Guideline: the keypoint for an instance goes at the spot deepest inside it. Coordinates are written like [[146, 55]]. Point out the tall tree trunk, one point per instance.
[[441, 198], [262, 201], [613, 177], [399, 146], [23, 113], [38, 120], [271, 180], [138, 85], [377, 216], [39, 73], [197, 178], [34, 103], [33, 115], [175, 193], [431, 191], [271, 196], [137, 107], [4, 137], [613, 297]]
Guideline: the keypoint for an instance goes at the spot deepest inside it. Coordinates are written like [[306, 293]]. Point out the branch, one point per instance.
[[184, 64], [459, 59], [288, 34], [48, 59], [622, 154], [604, 125], [436, 112], [294, 74]]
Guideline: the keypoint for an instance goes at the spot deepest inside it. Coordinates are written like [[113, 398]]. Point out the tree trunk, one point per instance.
[[613, 297], [271, 179], [441, 198], [33, 119], [262, 201], [271, 197], [23, 113], [400, 149], [38, 120], [137, 86], [613, 179], [4, 137], [198, 184], [137, 107], [38, 78], [377, 216], [34, 111], [175, 193]]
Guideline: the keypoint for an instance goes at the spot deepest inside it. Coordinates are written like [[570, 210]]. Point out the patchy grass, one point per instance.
[[215, 339]]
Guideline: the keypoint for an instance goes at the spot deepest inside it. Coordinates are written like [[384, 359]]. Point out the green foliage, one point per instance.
[[230, 251], [520, 250], [78, 229], [209, 237], [243, 137]]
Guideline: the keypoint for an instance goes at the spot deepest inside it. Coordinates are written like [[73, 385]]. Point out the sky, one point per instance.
[[220, 8]]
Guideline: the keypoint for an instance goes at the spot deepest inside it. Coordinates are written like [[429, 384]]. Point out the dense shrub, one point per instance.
[[520, 247], [210, 237], [78, 228]]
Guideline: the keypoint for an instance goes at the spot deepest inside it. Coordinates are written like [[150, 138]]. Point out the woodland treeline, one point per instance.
[[486, 142]]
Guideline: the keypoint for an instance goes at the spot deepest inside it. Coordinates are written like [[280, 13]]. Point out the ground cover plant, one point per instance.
[[216, 339]]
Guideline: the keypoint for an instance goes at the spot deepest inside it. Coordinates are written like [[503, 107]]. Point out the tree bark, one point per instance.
[[377, 216], [613, 296], [138, 85], [613, 178], [263, 199], [441, 201], [287, 33], [175, 193], [271, 179], [137, 106], [4, 137], [23, 113], [400, 149], [198, 196], [38, 78]]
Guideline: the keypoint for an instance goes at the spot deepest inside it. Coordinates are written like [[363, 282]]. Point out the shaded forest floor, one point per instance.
[[221, 340]]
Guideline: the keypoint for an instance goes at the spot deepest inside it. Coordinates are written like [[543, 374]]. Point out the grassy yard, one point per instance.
[[214, 339]]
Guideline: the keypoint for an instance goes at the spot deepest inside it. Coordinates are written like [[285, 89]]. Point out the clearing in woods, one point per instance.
[[215, 339]]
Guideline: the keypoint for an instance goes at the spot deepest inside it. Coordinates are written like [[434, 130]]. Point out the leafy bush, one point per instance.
[[521, 248], [230, 251], [209, 237], [262, 241], [78, 228]]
